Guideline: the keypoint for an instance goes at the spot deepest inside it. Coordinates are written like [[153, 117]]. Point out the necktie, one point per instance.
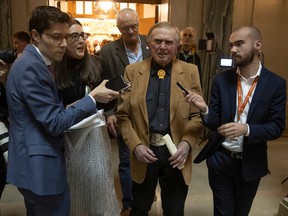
[[51, 71]]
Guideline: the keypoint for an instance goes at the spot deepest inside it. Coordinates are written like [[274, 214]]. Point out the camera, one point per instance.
[[8, 55]]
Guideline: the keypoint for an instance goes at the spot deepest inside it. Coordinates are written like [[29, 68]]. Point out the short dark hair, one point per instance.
[[22, 36], [42, 17], [254, 31]]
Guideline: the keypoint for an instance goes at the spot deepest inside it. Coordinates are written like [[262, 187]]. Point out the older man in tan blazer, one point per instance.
[[155, 106]]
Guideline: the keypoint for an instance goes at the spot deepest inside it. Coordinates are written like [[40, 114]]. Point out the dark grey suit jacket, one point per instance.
[[114, 55]]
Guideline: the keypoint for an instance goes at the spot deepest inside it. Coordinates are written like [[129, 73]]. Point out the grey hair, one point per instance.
[[191, 29], [123, 11], [165, 25]]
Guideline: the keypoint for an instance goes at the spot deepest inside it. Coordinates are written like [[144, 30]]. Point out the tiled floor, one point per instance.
[[199, 200]]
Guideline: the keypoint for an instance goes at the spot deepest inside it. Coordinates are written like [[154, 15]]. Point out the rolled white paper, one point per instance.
[[171, 146]]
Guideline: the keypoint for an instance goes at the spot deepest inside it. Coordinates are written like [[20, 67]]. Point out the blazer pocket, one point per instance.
[[43, 150], [184, 109]]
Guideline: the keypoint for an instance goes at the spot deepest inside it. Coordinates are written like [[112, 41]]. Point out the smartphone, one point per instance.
[[117, 84], [182, 88]]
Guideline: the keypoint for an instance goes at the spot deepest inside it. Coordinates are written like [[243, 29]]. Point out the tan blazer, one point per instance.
[[132, 116]]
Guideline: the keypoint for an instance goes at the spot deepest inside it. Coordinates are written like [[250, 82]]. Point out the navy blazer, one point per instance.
[[266, 118], [37, 120]]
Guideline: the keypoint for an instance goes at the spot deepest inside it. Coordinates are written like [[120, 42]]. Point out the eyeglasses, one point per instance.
[[75, 36], [188, 35], [127, 28], [57, 38]]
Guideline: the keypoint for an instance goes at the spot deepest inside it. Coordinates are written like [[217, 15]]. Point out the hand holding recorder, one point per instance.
[[193, 98], [102, 94]]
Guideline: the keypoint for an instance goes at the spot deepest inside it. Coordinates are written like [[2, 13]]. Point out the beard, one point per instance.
[[240, 61]]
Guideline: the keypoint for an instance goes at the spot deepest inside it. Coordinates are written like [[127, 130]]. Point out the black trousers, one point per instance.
[[232, 195], [2, 181], [173, 187], [3, 171]]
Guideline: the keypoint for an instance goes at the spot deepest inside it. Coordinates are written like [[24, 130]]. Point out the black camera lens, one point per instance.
[[8, 55]]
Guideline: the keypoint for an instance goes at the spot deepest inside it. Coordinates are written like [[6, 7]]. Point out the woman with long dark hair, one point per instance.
[[88, 147]]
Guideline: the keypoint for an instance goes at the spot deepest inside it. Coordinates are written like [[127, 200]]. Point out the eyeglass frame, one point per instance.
[[55, 35], [127, 28], [59, 40], [74, 37]]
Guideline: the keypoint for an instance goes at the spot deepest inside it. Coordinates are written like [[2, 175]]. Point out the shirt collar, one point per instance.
[[139, 41], [252, 77], [46, 60], [190, 53], [156, 67]]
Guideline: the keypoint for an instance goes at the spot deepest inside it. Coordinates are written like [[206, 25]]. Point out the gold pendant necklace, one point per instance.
[[161, 73]]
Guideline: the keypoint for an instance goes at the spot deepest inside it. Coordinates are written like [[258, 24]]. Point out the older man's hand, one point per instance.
[[144, 154], [179, 158]]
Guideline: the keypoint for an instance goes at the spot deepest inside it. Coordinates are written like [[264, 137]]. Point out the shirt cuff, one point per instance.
[[205, 115], [92, 99], [248, 130]]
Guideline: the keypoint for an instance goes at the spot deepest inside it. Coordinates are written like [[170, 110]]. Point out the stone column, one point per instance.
[[5, 27]]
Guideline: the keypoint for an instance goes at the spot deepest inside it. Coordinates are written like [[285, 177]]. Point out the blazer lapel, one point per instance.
[[121, 52], [145, 51], [175, 93], [260, 87], [142, 84], [144, 47], [232, 95]]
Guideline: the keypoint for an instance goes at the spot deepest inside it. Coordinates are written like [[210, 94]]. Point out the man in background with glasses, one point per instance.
[[130, 48], [38, 117]]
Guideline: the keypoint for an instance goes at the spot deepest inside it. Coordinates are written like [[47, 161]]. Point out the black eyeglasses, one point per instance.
[[127, 28], [57, 38], [75, 36]]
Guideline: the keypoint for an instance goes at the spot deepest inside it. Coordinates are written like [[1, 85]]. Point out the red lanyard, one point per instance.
[[241, 106]]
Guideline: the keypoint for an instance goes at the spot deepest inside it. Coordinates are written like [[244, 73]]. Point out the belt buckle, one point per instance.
[[157, 139]]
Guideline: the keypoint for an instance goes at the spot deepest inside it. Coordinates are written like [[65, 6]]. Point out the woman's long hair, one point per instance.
[[89, 67]]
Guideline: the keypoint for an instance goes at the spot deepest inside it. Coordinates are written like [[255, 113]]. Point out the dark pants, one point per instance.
[[125, 173], [3, 171], [52, 205], [2, 181], [232, 195], [173, 188]]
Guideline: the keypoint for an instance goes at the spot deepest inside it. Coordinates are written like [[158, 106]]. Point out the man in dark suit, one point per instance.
[[130, 48], [38, 118], [247, 109]]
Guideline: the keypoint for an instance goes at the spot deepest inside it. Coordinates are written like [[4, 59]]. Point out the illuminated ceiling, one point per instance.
[[130, 1]]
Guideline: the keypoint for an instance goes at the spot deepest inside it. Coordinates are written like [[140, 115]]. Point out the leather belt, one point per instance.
[[156, 139], [232, 154]]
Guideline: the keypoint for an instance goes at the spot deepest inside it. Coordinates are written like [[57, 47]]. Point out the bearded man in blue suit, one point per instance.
[[37, 117], [247, 109]]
